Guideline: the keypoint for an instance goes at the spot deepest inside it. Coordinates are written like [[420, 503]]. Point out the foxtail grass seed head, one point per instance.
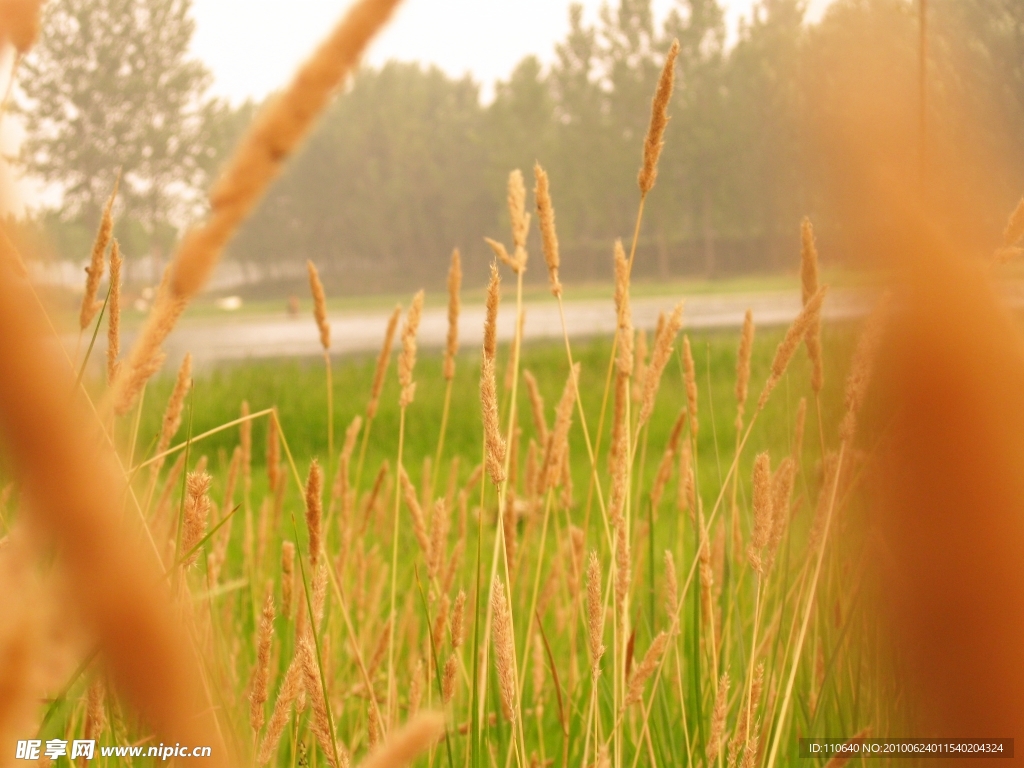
[[448, 679], [787, 347], [519, 217], [454, 286], [407, 357], [718, 719], [623, 312], [316, 288], [643, 671], [494, 443], [175, 406], [383, 360], [491, 322], [1014, 231], [798, 430], [114, 313], [314, 511], [743, 367], [536, 407], [261, 672], [320, 721], [94, 710], [504, 649], [690, 375], [809, 287], [419, 522], [421, 733], [458, 619], [595, 612], [501, 254], [808, 261], [271, 139], [763, 515], [686, 498], [94, 272], [619, 451], [558, 440], [659, 359], [549, 236], [623, 567], [197, 511], [655, 140]]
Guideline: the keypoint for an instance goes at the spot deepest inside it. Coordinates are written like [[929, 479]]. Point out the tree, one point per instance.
[[111, 87]]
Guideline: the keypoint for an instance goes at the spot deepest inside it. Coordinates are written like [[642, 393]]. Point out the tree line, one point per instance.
[[409, 162]]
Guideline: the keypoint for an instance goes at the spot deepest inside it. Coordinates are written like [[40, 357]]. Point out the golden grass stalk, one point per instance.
[[743, 368], [114, 312], [707, 574], [504, 649], [320, 722], [659, 359], [407, 358], [549, 237], [502, 255], [690, 376], [439, 527], [740, 738], [763, 516], [448, 679], [782, 491], [419, 523], [519, 217], [536, 407], [787, 347], [635, 688], [454, 286], [623, 568], [619, 451], [418, 735], [290, 689], [75, 495], [316, 288], [94, 714], [383, 360], [19, 23], [197, 512], [809, 287], [624, 361], [558, 440], [458, 620], [259, 158], [718, 714], [654, 142], [94, 272], [494, 442], [172, 414], [686, 497], [261, 672], [314, 511]]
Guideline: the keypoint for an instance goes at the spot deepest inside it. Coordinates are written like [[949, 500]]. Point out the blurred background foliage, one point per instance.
[[411, 162]]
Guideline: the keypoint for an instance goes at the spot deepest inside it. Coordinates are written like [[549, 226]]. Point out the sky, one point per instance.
[[253, 46]]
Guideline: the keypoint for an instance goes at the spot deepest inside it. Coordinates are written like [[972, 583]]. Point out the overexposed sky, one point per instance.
[[253, 46]]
